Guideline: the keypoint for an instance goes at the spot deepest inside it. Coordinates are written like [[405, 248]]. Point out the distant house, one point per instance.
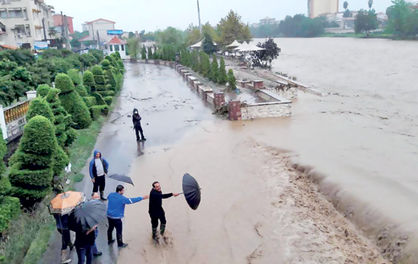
[[116, 45]]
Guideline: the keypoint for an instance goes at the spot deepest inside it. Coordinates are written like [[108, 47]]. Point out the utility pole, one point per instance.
[[198, 13]]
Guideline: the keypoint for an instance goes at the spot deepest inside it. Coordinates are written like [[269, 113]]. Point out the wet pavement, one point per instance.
[[168, 108]]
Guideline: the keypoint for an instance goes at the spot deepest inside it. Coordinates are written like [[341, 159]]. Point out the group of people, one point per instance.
[[116, 202]]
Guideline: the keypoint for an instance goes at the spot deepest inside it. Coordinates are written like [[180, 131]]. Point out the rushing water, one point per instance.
[[362, 135]]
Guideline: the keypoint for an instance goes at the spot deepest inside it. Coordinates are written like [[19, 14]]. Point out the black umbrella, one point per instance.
[[87, 215], [122, 178], [191, 191]]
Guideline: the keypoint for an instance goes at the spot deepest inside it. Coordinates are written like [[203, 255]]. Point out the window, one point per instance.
[[3, 13], [15, 13], [111, 47], [123, 47], [117, 48]]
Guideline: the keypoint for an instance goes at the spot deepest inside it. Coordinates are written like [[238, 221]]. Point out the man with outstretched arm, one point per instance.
[[156, 210], [116, 211]]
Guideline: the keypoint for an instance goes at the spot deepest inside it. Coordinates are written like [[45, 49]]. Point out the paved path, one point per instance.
[[168, 109]]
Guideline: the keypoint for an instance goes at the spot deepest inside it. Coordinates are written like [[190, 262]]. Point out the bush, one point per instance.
[[98, 110], [72, 102], [110, 80], [108, 100], [9, 209], [62, 120], [99, 78], [214, 70], [81, 90], [108, 93], [90, 101], [40, 106], [31, 174], [88, 81], [42, 90], [60, 161], [71, 136], [222, 78], [99, 99], [75, 76]]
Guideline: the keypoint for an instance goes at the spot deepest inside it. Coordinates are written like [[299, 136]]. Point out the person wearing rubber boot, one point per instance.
[[98, 169], [116, 211], [136, 120], [156, 210]]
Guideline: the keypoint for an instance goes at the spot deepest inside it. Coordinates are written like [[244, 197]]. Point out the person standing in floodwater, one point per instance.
[[156, 210], [136, 120]]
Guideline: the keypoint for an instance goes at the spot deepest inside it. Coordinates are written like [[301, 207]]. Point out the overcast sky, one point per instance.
[[131, 15]]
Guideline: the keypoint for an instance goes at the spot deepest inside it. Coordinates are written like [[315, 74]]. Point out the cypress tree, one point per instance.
[[222, 77], [232, 83], [42, 90], [150, 56], [39, 106], [88, 81], [31, 174], [99, 78], [214, 70], [72, 102], [143, 53]]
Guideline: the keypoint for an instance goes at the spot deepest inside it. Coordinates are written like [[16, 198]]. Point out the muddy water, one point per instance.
[[362, 136]]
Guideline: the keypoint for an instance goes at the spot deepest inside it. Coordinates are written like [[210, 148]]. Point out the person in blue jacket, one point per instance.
[[98, 169], [116, 211]]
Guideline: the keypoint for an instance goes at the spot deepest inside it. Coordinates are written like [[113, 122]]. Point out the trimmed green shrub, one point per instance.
[[110, 80], [108, 100], [90, 101], [222, 77], [105, 110], [95, 111], [88, 81], [39, 106], [106, 63], [99, 99], [72, 102], [5, 186], [71, 136], [108, 93], [42, 90], [62, 120], [81, 90], [99, 78], [60, 161], [75, 76], [31, 174]]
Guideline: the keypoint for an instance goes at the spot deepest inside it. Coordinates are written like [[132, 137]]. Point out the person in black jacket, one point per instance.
[[136, 120], [84, 242], [156, 210]]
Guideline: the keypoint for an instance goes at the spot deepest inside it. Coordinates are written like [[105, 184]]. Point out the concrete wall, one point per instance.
[[264, 110]]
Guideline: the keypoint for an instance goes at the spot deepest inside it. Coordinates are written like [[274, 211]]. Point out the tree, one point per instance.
[[192, 35], [222, 77], [31, 174], [208, 29], [231, 28], [365, 21], [347, 12], [143, 53], [207, 44], [214, 70], [170, 36], [402, 19], [301, 26], [72, 102], [150, 56], [99, 78], [39, 106], [232, 82], [133, 47], [88, 80], [205, 65], [42, 90], [345, 4], [264, 57]]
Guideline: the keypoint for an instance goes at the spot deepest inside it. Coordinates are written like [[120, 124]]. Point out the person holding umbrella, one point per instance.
[[156, 210], [98, 169], [136, 120], [116, 211]]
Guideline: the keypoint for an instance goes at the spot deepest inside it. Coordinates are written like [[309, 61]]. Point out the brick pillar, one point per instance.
[[258, 84], [219, 100], [234, 110]]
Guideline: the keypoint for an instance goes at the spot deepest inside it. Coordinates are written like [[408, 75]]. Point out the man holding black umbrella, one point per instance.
[[116, 211], [156, 210]]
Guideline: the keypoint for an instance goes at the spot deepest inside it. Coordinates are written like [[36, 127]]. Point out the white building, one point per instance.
[[98, 30], [24, 22], [322, 7], [116, 45]]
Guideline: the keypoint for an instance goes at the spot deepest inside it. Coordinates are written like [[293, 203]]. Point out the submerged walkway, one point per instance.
[[168, 109]]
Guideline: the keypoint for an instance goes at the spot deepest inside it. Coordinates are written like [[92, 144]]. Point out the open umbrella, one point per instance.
[[122, 178], [191, 191], [87, 215], [64, 203]]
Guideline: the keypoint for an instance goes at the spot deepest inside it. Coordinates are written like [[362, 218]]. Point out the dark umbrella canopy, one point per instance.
[[87, 215], [122, 178], [191, 191]]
